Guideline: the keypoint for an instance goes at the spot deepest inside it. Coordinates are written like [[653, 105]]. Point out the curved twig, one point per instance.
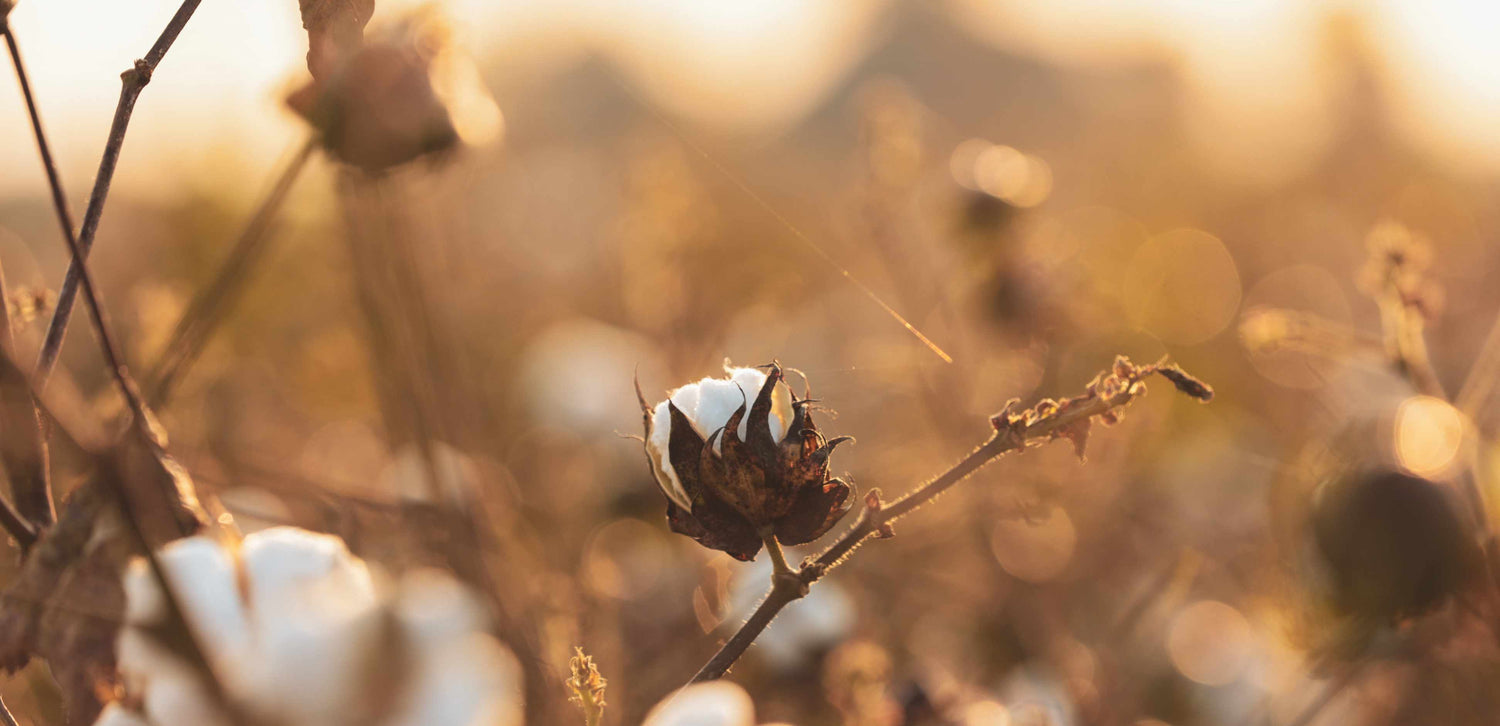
[[1047, 421]]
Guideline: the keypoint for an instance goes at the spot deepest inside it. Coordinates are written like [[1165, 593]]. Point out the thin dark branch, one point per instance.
[[33, 488], [22, 441], [132, 82], [5, 715], [203, 314], [1011, 434]]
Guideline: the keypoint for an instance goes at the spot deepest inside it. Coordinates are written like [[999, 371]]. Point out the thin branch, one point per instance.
[[203, 314], [33, 489], [133, 81], [22, 440], [1014, 431], [5, 715]]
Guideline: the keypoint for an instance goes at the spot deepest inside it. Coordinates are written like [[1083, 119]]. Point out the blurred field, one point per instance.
[[1033, 202]]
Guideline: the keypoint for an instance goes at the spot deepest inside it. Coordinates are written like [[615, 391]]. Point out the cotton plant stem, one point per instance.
[[14, 392], [133, 81], [877, 516], [33, 491], [207, 309]]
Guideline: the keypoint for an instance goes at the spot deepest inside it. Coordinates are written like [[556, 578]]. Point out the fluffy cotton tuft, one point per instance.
[[298, 632], [717, 703], [708, 404]]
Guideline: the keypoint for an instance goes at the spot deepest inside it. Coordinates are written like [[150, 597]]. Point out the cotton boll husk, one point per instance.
[[719, 703]]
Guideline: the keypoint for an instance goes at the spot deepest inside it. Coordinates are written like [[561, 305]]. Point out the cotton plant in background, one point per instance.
[[299, 631], [720, 703], [821, 620]]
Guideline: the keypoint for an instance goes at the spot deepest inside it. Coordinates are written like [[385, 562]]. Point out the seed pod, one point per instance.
[[734, 470], [1394, 545]]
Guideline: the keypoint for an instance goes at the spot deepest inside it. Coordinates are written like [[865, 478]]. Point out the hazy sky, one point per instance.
[[754, 64]]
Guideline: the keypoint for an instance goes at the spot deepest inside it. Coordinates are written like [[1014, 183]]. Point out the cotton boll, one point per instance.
[[116, 715], [316, 619], [708, 404], [432, 606], [409, 477], [177, 696], [460, 681], [718, 703], [462, 675], [202, 578], [293, 625]]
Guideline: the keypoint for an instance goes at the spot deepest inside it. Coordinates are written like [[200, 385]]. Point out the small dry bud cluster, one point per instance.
[[586, 686], [759, 471], [1072, 418], [1397, 267]]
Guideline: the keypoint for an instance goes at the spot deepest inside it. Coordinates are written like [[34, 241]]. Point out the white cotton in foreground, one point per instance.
[[298, 633], [717, 703], [708, 404]]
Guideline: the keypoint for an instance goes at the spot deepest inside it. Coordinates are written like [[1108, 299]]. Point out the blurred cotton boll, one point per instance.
[[298, 631], [576, 374], [718, 703], [815, 623], [409, 477]]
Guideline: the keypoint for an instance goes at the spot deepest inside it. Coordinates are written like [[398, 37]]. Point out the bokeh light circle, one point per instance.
[[1210, 643], [1035, 549], [1182, 287]]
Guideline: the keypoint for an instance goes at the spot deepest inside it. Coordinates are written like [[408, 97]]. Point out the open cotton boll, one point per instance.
[[116, 715], [717, 703], [316, 621], [708, 404], [293, 623]]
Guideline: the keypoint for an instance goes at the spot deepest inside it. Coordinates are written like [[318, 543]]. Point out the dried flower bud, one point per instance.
[[335, 29], [379, 110], [1187, 384], [1394, 545], [733, 469]]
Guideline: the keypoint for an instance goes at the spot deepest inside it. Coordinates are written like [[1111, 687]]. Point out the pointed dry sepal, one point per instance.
[[586, 687]]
